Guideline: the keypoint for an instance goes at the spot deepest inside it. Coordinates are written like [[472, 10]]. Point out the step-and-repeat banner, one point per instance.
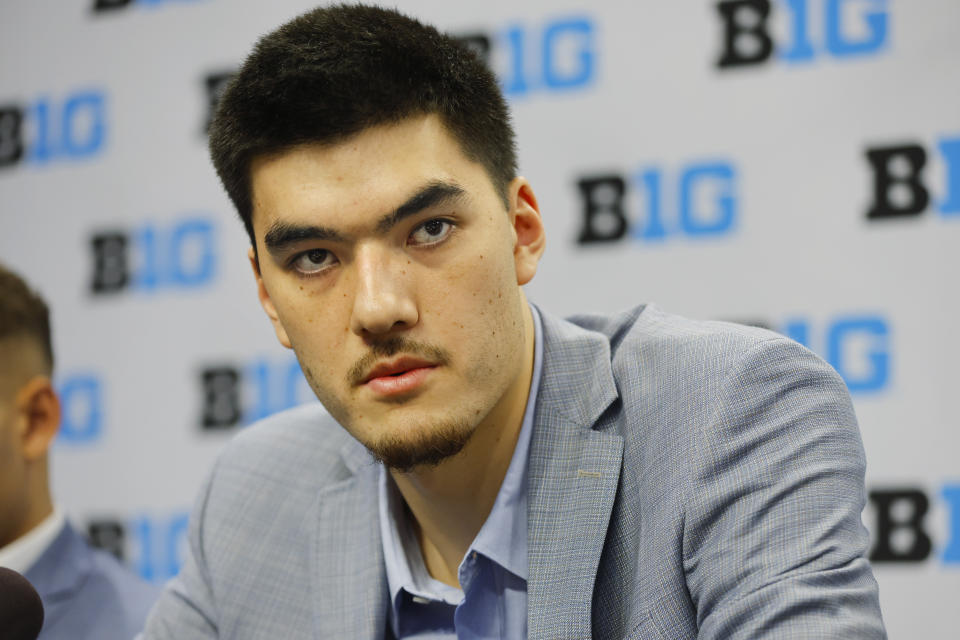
[[789, 163]]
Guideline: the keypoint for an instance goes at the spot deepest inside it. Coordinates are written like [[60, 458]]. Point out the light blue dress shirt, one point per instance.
[[493, 573]]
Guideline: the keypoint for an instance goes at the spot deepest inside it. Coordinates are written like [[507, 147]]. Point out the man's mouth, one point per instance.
[[398, 376]]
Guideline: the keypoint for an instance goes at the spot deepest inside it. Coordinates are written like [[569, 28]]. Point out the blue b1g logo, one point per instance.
[[81, 408], [153, 545], [154, 257], [162, 545], [558, 55], [697, 199], [856, 345], [850, 28], [71, 127]]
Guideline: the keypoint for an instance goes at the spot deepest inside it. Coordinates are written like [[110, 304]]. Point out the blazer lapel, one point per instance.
[[349, 584], [574, 470]]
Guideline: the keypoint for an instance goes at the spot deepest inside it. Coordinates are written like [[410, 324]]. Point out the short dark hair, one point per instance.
[[335, 71], [23, 313]]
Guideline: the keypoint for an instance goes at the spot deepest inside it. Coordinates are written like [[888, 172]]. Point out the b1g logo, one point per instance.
[[856, 345], [103, 6], [181, 255], [697, 199], [238, 395], [66, 128], [81, 409], [559, 55], [154, 546], [900, 534], [847, 28], [899, 185]]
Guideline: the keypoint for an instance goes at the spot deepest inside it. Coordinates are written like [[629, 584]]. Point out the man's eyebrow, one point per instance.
[[436, 192], [282, 234]]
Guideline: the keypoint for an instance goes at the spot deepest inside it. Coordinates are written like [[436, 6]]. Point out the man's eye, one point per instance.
[[313, 261], [431, 232]]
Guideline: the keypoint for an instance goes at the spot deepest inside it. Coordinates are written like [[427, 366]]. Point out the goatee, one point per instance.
[[428, 447]]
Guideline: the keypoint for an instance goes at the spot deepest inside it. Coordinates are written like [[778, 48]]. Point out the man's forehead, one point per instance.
[[360, 179], [385, 144]]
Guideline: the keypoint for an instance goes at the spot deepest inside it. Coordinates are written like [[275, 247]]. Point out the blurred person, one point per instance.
[[86, 593], [484, 469]]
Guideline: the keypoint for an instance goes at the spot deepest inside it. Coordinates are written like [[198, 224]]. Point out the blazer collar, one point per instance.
[[574, 472]]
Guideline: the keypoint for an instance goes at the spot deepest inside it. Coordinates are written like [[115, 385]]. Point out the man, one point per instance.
[[486, 470], [85, 593]]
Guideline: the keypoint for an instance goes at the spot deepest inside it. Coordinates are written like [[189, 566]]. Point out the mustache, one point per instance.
[[391, 347]]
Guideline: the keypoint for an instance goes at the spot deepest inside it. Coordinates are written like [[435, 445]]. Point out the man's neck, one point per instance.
[[35, 505], [451, 501]]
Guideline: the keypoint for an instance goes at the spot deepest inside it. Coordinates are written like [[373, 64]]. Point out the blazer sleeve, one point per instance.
[[773, 542], [186, 609]]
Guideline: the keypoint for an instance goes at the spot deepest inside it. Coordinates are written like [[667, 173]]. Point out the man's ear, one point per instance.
[[39, 410], [266, 302], [528, 227]]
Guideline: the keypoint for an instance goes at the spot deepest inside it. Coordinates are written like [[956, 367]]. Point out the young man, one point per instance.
[[85, 593], [640, 476]]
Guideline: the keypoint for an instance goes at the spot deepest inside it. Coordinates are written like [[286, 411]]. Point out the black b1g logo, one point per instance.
[[899, 186]]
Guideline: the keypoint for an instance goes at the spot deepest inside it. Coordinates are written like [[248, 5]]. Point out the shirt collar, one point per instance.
[[503, 536], [22, 553]]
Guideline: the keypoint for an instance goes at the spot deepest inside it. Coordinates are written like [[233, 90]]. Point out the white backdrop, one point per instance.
[[745, 195]]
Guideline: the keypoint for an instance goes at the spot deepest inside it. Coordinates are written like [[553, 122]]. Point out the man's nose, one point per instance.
[[383, 300]]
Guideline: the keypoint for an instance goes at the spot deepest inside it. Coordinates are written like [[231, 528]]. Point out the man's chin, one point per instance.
[[425, 448]]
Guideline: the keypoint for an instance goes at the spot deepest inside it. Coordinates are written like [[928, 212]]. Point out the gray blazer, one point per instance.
[[686, 480], [88, 594]]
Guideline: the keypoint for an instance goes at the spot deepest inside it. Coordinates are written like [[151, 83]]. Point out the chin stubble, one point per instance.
[[428, 447]]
